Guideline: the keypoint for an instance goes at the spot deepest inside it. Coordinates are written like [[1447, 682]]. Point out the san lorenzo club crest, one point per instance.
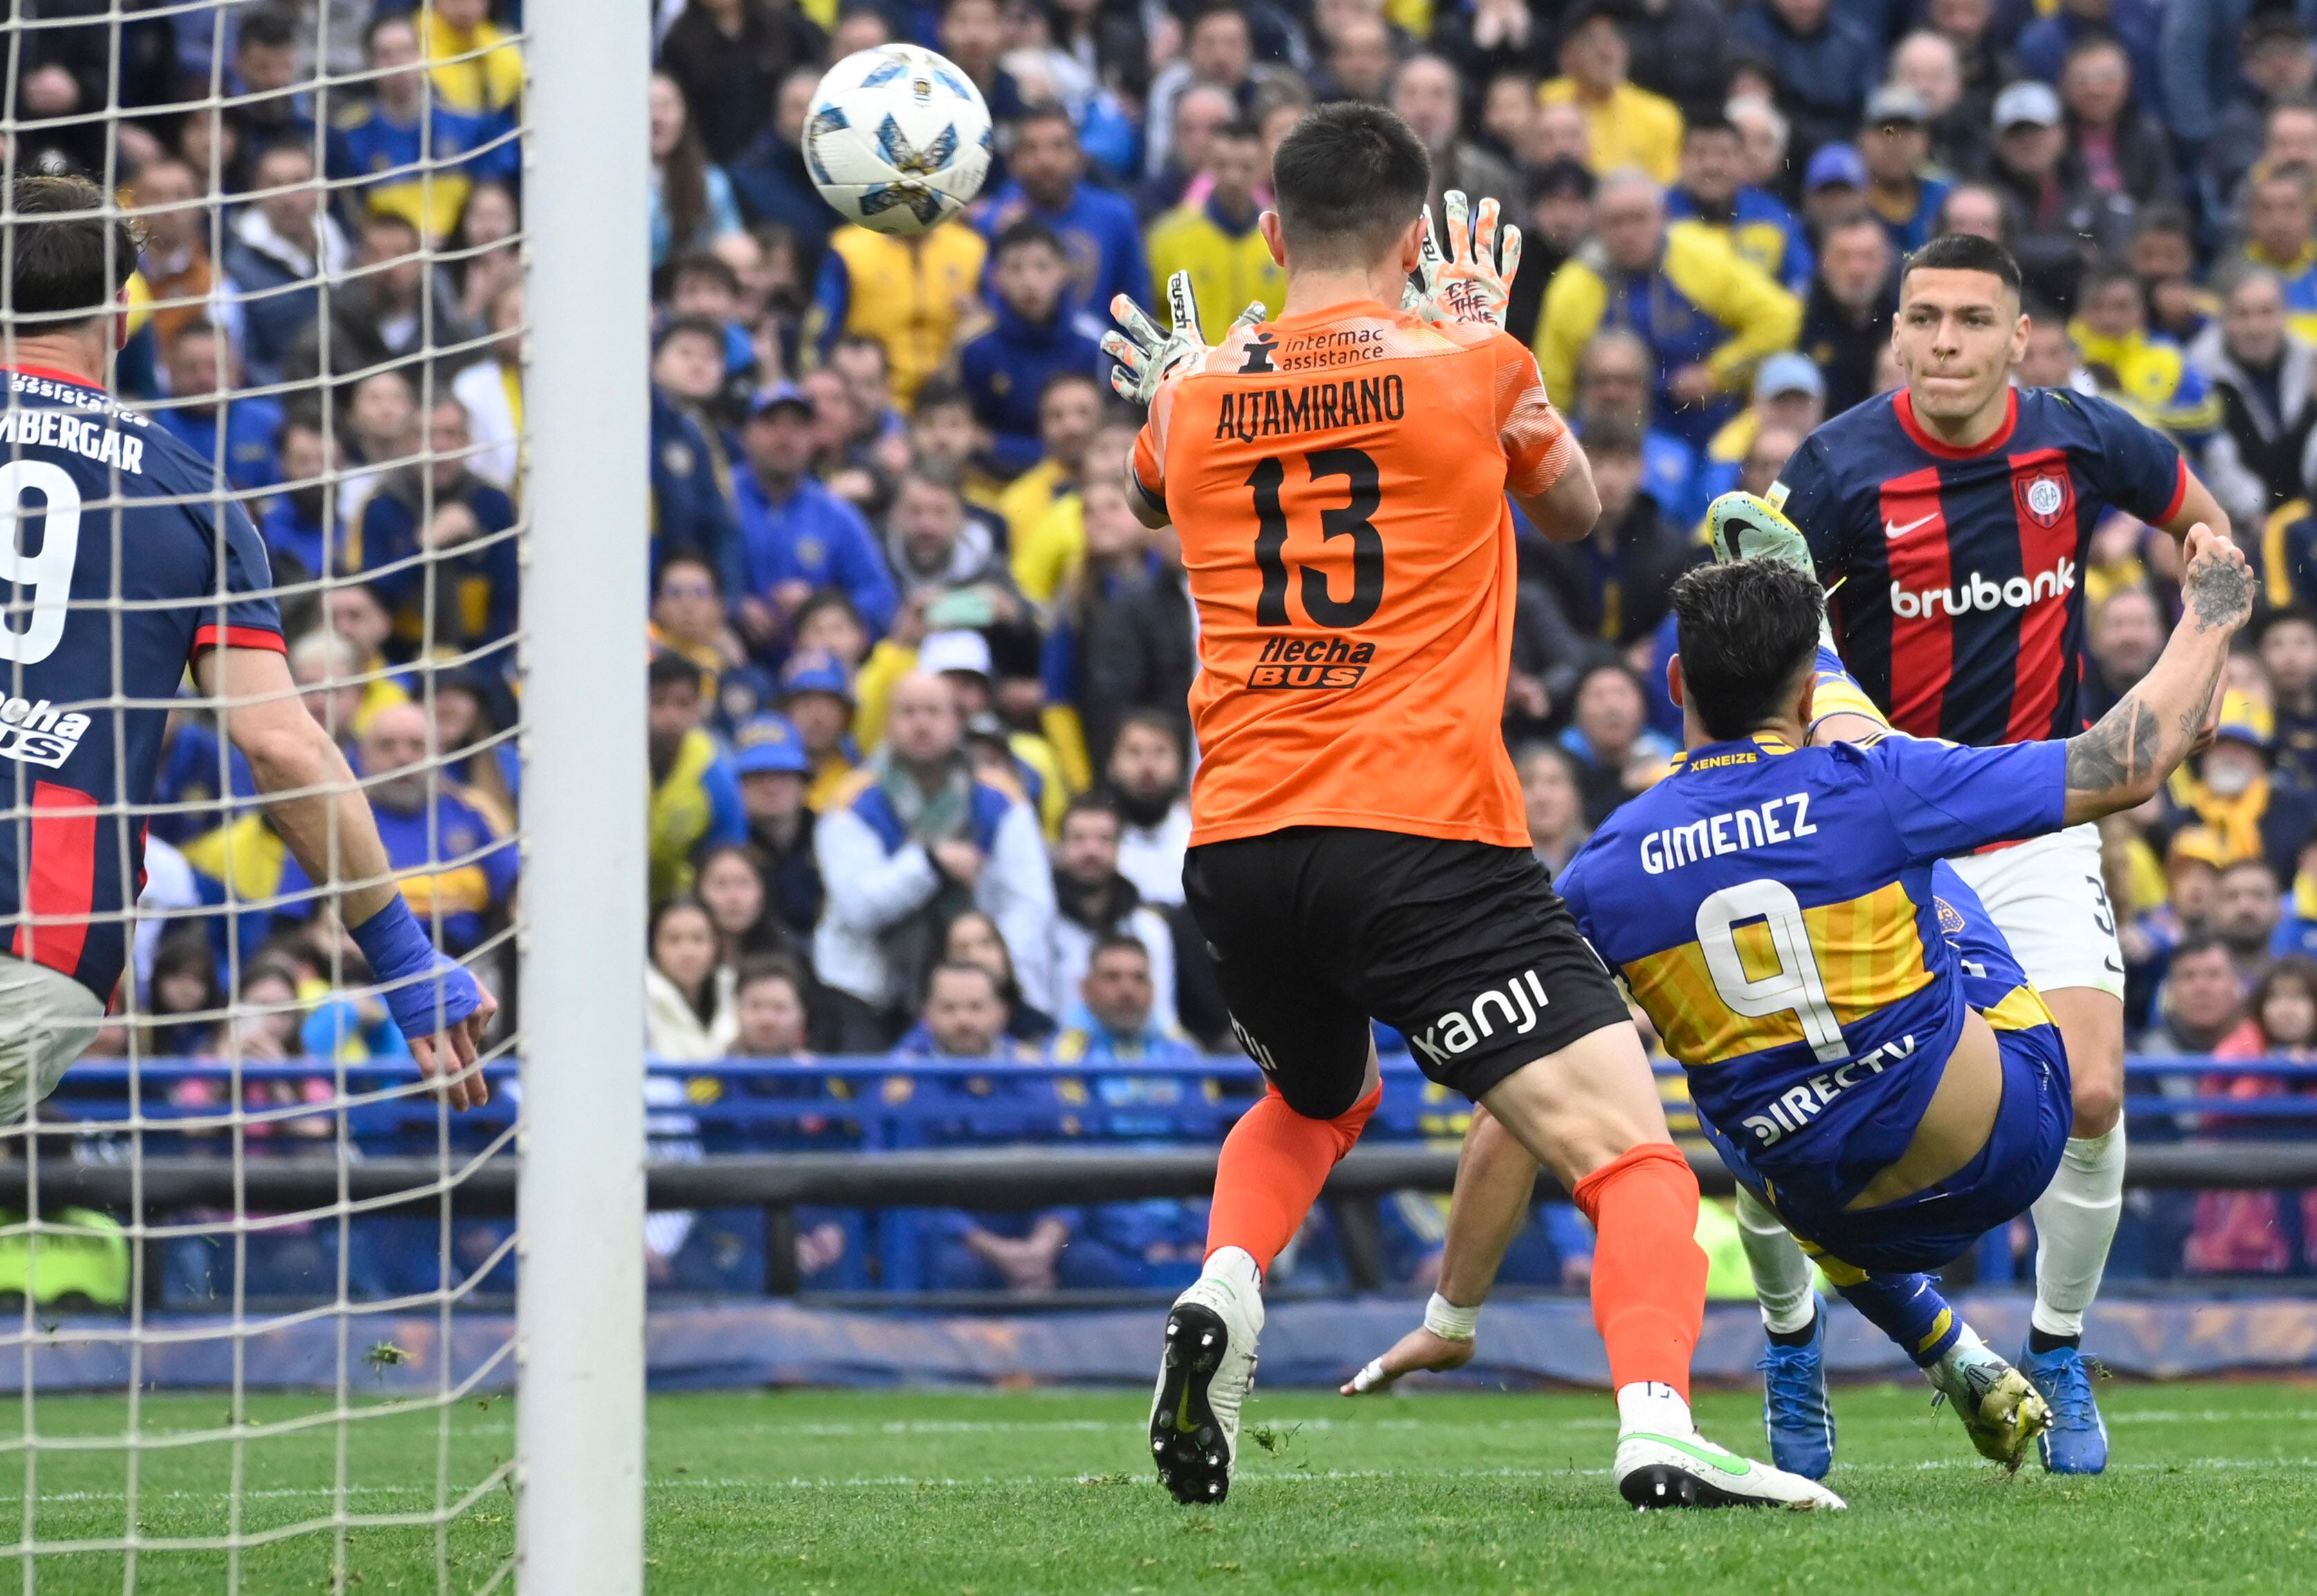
[[2045, 498]]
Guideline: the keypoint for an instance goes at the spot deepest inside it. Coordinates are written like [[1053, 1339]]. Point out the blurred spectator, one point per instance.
[[1614, 583], [1609, 738], [1750, 221], [2266, 379], [1120, 1016], [1359, 54], [769, 179], [731, 888], [1554, 807], [1094, 902], [913, 840], [2048, 44], [769, 1010], [688, 617], [491, 388], [299, 525], [798, 536], [1928, 63], [695, 801], [2164, 258], [185, 997], [973, 938], [2126, 635], [2065, 223], [2231, 795], [2288, 655], [173, 225], [1834, 189], [1895, 145], [1853, 301], [692, 203], [1707, 316], [1625, 125], [1822, 61], [913, 296], [2245, 913], [492, 258], [1789, 395], [2120, 147], [949, 567], [1762, 135], [1616, 379], [1101, 244], [689, 1012], [282, 247], [1145, 773], [470, 707], [435, 547], [2262, 1232], [476, 70], [1066, 409], [770, 759], [1129, 614], [452, 859], [691, 508], [327, 670], [1426, 92], [729, 56], [2279, 68], [817, 696], [1040, 335], [1216, 239], [1218, 52], [408, 154], [2279, 220], [394, 308], [236, 435], [2202, 1001], [1202, 111], [1559, 220], [2148, 375]]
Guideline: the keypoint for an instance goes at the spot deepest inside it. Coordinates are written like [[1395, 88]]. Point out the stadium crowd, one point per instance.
[[918, 740]]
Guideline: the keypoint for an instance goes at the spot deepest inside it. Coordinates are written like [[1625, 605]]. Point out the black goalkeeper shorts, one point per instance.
[[1462, 948]]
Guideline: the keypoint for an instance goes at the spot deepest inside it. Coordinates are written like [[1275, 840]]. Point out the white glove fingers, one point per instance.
[[1460, 228], [1182, 305], [1509, 256]]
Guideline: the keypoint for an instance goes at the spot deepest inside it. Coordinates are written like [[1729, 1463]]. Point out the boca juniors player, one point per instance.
[[1863, 1049], [1340, 476], [123, 568]]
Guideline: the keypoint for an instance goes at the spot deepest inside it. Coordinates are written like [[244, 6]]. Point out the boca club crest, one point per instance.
[[2046, 497]]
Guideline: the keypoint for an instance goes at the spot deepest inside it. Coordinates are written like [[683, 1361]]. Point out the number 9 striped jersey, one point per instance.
[[1338, 480], [1788, 921], [118, 567]]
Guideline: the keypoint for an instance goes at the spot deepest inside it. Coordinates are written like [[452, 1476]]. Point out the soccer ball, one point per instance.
[[899, 138]]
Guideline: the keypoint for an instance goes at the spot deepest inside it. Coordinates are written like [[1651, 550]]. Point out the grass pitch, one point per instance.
[[895, 1494]]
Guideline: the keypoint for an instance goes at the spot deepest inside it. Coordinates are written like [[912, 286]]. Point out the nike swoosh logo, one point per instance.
[[1184, 1423], [1724, 1461], [1892, 531]]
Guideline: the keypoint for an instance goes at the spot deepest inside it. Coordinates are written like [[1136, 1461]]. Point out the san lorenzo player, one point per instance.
[[139, 570], [1337, 477]]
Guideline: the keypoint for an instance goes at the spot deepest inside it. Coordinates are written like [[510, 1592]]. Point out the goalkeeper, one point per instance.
[[142, 569], [1863, 1048]]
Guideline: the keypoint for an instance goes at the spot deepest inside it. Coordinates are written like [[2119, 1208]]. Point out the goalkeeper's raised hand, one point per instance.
[[1475, 283], [1146, 356]]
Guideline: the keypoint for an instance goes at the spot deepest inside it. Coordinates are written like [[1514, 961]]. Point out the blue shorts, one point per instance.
[[1940, 1223]]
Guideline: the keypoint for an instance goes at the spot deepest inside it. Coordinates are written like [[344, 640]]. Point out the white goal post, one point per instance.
[[580, 1313]]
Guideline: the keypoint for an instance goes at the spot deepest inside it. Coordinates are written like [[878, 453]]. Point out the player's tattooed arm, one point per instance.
[[2121, 762]]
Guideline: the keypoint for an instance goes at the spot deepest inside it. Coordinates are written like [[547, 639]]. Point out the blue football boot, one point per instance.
[[1794, 1407], [2076, 1442]]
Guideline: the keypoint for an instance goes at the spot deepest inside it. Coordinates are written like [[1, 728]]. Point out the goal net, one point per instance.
[[259, 1280]]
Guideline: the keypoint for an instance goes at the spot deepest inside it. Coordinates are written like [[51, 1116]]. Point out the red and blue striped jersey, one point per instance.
[[1955, 573], [117, 565]]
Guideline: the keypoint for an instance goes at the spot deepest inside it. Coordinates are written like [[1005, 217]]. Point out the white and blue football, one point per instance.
[[898, 139]]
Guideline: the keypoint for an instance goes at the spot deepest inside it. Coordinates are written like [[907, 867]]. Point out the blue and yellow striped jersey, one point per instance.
[[1786, 919]]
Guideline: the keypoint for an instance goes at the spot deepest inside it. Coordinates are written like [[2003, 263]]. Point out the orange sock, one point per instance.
[[1274, 1162], [1649, 1273]]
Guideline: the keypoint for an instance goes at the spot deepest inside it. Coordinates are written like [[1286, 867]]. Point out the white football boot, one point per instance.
[[1208, 1370], [1655, 1470]]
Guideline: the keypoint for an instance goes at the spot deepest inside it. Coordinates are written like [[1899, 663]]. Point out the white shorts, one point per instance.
[[2048, 898], [47, 1020]]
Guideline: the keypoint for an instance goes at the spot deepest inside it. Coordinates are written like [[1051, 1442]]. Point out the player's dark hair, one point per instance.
[[1965, 252], [1349, 179], [1747, 634], [63, 266], [1023, 234]]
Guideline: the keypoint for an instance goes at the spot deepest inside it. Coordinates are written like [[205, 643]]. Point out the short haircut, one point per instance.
[[687, 557], [770, 967], [941, 393], [959, 967], [1611, 434], [1092, 802], [1747, 634], [1349, 179], [267, 29], [1965, 252], [1223, 8], [2106, 274], [2164, 217], [2196, 944], [1025, 234], [671, 669], [1709, 118], [1061, 379], [2289, 615], [65, 268], [1044, 111], [701, 263], [2252, 861], [1117, 941], [1241, 131], [1156, 720], [697, 326]]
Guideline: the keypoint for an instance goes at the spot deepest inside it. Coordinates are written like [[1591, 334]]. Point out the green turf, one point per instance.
[[900, 1493]]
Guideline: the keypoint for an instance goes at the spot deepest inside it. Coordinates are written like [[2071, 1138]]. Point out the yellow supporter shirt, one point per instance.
[[1627, 127]]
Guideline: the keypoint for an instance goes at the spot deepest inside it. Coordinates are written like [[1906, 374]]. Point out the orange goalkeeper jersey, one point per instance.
[[1339, 482]]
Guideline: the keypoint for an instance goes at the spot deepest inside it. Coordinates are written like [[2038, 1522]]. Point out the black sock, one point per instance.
[[1796, 1337], [2043, 1341]]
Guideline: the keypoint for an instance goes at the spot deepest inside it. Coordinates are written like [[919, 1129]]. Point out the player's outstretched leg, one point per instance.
[[1796, 1413], [1272, 1164], [2000, 1411], [1589, 1113]]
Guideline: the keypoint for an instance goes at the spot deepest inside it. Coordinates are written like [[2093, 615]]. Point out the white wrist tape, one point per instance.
[[1446, 1320]]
